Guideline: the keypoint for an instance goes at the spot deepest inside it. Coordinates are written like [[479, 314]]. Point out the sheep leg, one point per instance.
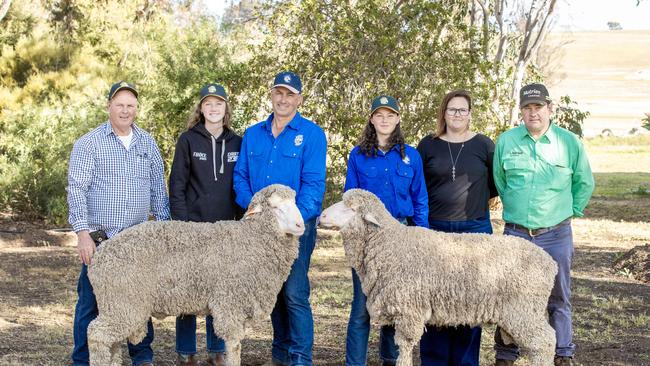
[[407, 333], [103, 337], [534, 335], [233, 352]]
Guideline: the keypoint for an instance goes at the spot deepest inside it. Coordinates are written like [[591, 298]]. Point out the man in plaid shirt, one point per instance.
[[115, 180]]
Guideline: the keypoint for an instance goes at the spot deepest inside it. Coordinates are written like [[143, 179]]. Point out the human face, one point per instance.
[[122, 110], [213, 109], [454, 118], [285, 102], [537, 118], [385, 120]]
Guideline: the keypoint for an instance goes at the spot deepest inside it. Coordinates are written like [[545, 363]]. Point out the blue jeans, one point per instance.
[[356, 342], [457, 346], [292, 320], [186, 336], [85, 312], [558, 243]]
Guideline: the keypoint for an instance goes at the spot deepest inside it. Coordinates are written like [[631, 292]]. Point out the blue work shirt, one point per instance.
[[399, 183], [296, 158]]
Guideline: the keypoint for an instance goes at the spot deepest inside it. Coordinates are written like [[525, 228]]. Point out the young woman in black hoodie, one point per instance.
[[201, 190]]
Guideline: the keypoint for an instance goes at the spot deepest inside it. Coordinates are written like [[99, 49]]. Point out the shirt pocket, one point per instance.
[[560, 176], [368, 176], [517, 171], [404, 178], [291, 159]]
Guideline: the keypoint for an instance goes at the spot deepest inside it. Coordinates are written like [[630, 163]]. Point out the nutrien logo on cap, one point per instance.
[[532, 91]]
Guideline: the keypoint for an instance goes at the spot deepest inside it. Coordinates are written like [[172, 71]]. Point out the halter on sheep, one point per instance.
[[413, 276], [230, 269]]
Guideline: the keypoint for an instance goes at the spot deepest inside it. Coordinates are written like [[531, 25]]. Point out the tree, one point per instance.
[[518, 30]]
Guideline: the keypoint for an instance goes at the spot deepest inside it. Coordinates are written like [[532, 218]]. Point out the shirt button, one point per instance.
[[275, 147], [271, 162], [386, 169], [267, 177]]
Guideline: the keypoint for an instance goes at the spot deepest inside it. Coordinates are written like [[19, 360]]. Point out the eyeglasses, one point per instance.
[[457, 111]]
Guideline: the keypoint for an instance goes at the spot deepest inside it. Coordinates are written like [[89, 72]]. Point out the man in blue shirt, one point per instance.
[[115, 180], [287, 149]]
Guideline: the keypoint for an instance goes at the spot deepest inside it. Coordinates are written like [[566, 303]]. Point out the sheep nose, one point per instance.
[[300, 225]]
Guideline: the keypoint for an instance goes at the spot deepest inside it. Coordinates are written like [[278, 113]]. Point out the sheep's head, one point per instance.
[[356, 204], [281, 201]]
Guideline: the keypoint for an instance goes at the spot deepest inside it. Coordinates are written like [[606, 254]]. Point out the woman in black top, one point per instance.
[[458, 173], [200, 186]]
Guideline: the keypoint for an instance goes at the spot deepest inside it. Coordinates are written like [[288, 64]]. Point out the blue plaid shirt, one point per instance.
[[111, 188]]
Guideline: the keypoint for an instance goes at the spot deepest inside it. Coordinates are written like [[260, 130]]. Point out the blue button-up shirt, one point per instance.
[[399, 183], [111, 188], [296, 158]]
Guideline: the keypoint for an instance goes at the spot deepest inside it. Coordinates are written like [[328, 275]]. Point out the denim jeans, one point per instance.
[[558, 243], [85, 312], [292, 320], [356, 342], [458, 346], [186, 336]]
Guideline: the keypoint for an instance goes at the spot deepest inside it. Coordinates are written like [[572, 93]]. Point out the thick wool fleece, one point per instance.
[[414, 276], [230, 269]]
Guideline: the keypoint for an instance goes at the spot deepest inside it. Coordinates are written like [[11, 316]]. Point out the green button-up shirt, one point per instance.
[[543, 182]]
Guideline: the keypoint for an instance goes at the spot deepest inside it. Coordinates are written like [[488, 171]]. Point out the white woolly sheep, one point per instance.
[[230, 269], [414, 276]]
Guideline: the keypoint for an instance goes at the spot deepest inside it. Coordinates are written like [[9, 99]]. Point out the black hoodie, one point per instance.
[[200, 182]]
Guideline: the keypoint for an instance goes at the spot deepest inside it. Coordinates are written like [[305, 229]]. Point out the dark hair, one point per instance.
[[441, 126], [197, 117], [369, 145]]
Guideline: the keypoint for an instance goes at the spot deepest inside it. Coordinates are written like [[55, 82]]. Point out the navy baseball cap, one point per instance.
[[533, 93], [289, 80], [384, 101], [213, 90], [121, 85]]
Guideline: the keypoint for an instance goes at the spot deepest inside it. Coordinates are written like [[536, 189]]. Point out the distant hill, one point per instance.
[[608, 73]]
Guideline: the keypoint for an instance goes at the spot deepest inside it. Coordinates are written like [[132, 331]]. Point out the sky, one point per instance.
[[573, 15]]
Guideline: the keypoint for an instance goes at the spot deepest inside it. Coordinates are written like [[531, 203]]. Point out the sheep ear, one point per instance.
[[252, 210], [371, 219]]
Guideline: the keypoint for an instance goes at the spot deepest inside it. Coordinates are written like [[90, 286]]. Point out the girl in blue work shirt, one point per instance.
[[384, 165]]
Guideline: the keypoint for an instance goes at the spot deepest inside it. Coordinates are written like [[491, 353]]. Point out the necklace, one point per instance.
[[454, 161]]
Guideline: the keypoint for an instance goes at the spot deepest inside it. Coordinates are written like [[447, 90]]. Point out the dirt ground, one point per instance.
[[39, 269]]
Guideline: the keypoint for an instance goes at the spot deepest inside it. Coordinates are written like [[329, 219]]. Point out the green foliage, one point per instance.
[[568, 116], [646, 121]]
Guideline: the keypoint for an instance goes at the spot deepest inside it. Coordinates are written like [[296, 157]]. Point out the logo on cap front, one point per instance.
[[212, 89], [124, 83], [383, 100], [287, 78]]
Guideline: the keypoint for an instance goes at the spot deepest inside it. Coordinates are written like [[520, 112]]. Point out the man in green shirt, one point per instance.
[[543, 177]]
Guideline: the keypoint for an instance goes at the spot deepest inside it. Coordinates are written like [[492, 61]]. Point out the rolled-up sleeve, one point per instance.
[[80, 173], [159, 199]]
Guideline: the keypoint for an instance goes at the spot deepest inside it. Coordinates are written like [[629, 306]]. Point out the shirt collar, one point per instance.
[[548, 136], [108, 129], [293, 124]]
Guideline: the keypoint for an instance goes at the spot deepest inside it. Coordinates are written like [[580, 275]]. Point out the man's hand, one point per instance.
[[85, 247]]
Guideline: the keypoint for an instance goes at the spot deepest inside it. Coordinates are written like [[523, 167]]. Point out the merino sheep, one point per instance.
[[413, 276], [230, 269]]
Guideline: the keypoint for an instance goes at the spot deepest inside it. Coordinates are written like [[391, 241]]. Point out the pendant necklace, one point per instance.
[[454, 161]]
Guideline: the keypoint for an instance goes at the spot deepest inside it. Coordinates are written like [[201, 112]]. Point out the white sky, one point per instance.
[[574, 15]]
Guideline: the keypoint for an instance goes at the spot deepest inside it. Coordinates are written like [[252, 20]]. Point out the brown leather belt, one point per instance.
[[536, 232]]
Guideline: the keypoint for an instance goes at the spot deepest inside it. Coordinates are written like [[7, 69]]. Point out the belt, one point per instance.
[[536, 232]]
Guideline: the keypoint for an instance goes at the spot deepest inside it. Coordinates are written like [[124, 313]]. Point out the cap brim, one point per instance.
[[291, 88], [527, 101], [124, 88], [384, 106], [213, 95]]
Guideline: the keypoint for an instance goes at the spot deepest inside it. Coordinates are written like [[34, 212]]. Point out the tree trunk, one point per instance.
[[4, 8], [520, 70]]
